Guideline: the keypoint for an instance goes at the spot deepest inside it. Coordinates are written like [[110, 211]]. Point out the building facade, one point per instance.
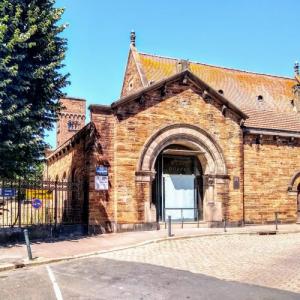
[[185, 140]]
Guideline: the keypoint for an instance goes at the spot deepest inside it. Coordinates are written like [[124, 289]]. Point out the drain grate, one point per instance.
[[267, 232]]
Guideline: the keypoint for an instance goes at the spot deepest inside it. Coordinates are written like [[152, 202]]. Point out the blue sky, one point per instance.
[[256, 35]]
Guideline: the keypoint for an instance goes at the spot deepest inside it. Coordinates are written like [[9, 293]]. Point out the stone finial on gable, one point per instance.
[[296, 89], [296, 68], [182, 65], [132, 38]]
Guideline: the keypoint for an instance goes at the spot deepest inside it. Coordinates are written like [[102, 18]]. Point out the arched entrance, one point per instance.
[[177, 189], [203, 171], [294, 191]]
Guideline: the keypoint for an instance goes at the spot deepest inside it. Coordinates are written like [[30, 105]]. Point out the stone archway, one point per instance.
[[294, 192], [210, 156], [294, 181]]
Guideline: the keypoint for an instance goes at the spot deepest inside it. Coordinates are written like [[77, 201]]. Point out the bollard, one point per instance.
[[169, 226], [225, 229], [181, 218], [27, 244], [276, 220]]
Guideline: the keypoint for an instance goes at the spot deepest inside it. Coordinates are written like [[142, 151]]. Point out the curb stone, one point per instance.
[[43, 261]]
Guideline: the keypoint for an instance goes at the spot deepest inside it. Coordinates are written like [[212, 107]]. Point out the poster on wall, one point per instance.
[[101, 183]]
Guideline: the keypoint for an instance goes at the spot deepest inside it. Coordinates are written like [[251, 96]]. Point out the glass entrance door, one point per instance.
[[179, 187], [179, 196]]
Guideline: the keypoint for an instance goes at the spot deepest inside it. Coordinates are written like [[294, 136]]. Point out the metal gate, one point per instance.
[[25, 203]]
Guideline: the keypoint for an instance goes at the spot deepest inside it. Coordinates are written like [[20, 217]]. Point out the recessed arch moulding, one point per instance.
[[215, 178]]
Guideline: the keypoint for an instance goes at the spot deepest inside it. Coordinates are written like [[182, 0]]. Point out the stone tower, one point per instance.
[[71, 119]]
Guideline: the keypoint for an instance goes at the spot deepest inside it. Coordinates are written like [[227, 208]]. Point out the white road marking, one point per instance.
[[54, 283]]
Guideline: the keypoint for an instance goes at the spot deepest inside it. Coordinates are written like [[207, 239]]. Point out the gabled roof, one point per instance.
[[264, 100], [191, 76]]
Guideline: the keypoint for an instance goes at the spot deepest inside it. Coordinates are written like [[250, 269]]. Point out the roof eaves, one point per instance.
[[100, 107], [74, 98], [71, 139], [146, 89], [277, 132]]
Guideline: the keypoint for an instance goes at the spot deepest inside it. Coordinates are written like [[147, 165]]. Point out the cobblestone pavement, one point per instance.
[[270, 260]]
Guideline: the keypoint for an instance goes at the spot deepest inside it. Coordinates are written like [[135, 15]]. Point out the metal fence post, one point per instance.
[[225, 225], [276, 220], [19, 204], [169, 226], [28, 244], [55, 206]]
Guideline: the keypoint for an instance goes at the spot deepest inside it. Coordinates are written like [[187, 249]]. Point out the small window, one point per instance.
[[260, 98], [70, 125], [73, 125], [130, 85]]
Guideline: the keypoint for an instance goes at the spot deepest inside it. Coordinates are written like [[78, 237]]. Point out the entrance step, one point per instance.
[[185, 225]]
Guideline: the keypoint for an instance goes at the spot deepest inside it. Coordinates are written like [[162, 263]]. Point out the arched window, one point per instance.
[[73, 125], [70, 125]]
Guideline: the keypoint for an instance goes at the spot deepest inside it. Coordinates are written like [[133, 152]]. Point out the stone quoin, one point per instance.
[[185, 139]]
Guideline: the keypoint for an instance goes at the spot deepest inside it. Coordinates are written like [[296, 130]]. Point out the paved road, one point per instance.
[[223, 267], [271, 261], [99, 278]]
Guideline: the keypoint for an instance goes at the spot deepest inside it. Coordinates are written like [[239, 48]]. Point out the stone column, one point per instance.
[[214, 194], [144, 196]]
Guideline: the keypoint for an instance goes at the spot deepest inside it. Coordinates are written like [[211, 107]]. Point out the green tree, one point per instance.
[[31, 81]]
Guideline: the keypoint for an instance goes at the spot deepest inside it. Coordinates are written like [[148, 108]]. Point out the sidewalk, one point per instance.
[[16, 255]]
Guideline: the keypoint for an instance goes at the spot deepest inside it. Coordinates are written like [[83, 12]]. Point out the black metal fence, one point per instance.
[[184, 215], [25, 203]]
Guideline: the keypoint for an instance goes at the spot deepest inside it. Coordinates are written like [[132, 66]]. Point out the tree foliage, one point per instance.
[[31, 81]]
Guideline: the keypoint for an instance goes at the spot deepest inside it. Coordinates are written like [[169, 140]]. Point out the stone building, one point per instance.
[[185, 139]]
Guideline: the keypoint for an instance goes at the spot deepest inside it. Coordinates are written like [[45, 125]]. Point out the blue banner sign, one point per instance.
[[102, 170], [8, 192]]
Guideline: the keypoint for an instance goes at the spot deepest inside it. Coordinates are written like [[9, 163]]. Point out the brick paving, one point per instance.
[[270, 260]]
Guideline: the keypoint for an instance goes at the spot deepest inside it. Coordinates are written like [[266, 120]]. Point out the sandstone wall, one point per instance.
[[269, 167], [137, 122], [102, 207], [64, 162]]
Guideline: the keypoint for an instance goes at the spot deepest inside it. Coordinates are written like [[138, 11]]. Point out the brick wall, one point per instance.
[[102, 207], [70, 159], [269, 167]]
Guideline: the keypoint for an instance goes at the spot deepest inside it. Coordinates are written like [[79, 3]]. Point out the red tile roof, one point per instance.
[[273, 111], [264, 119], [240, 87]]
